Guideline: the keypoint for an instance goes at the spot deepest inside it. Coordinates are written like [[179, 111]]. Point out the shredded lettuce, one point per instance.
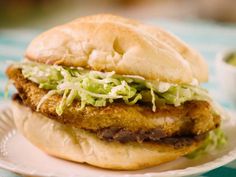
[[99, 88], [216, 139]]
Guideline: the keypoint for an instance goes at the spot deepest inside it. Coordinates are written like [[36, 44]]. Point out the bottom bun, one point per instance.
[[81, 146]]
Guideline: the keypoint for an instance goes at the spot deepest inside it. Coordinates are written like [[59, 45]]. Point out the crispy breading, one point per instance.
[[191, 118]]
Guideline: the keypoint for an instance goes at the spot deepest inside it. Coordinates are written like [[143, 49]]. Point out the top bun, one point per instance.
[[111, 43]]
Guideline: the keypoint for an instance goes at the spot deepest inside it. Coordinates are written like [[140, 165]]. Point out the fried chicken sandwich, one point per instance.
[[113, 93]]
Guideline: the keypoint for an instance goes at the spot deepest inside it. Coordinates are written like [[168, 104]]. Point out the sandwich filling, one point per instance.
[[117, 107]]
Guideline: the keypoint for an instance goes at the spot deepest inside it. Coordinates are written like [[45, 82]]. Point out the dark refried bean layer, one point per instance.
[[152, 135]]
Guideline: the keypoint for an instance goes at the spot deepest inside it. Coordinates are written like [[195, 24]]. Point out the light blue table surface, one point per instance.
[[208, 38]]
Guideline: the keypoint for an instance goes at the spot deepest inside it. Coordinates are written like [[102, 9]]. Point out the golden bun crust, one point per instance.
[[81, 146], [111, 43]]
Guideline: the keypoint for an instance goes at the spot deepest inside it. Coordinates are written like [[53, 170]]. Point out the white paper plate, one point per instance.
[[18, 155]]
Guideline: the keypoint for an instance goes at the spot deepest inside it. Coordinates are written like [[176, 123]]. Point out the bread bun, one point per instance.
[[81, 146], [111, 43]]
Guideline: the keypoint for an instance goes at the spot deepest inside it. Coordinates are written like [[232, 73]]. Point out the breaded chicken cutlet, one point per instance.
[[120, 122]]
